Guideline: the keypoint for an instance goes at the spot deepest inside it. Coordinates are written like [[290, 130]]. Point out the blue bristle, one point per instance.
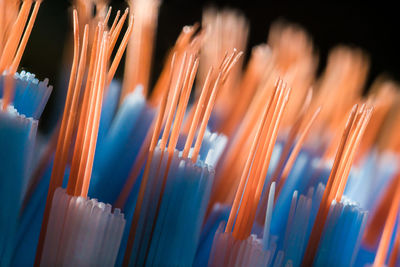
[[31, 95], [119, 148], [17, 136]]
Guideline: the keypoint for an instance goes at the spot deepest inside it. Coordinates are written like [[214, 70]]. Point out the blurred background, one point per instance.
[[370, 27]]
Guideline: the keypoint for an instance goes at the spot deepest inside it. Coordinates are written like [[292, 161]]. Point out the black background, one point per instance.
[[374, 28]]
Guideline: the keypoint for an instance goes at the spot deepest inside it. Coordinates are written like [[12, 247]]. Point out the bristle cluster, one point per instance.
[[13, 41], [222, 163], [83, 112]]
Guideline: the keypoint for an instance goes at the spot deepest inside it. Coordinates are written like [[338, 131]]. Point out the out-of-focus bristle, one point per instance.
[[340, 85], [140, 48], [185, 43], [384, 243], [382, 97], [394, 254], [377, 220], [259, 62], [296, 63], [295, 152], [225, 31]]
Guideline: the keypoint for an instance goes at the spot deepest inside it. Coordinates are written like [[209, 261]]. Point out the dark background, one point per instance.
[[374, 28]]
